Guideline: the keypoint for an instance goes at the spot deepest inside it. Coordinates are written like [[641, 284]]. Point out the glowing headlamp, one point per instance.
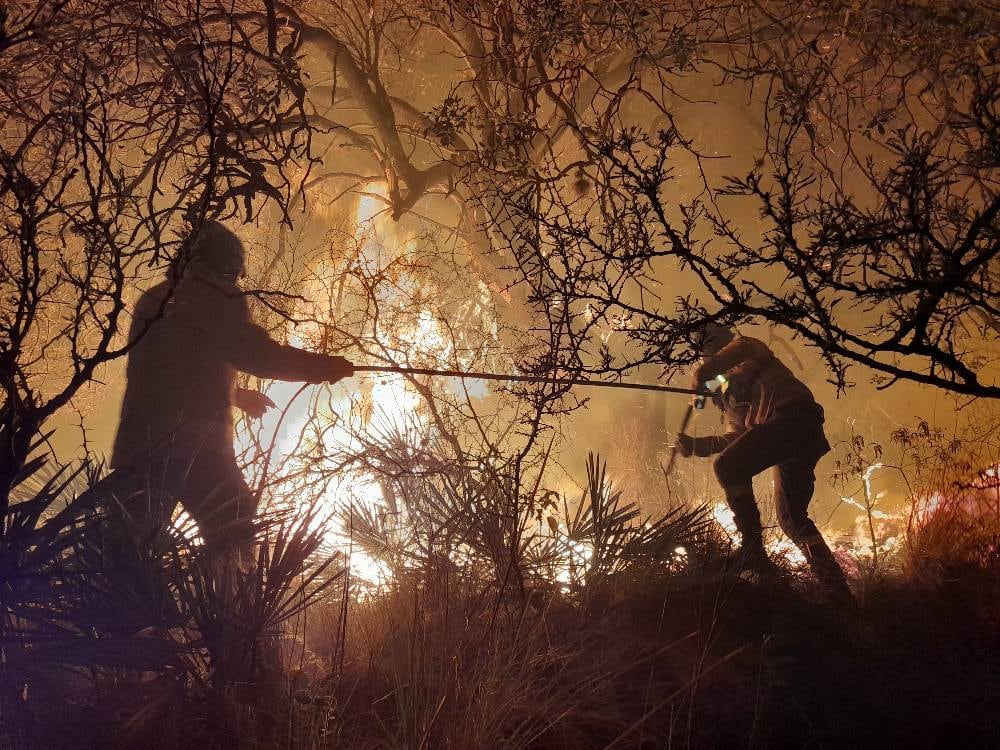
[[719, 383]]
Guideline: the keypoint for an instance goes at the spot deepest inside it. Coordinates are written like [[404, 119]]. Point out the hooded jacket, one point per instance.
[[756, 378], [188, 347], [759, 386]]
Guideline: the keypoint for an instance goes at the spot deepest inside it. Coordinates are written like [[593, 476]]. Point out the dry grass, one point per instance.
[[171, 649]]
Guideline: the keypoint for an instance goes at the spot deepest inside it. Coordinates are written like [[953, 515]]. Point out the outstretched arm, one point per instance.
[[254, 352], [707, 445], [250, 349], [711, 444]]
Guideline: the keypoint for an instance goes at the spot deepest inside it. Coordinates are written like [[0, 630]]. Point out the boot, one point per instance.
[[826, 569], [753, 557]]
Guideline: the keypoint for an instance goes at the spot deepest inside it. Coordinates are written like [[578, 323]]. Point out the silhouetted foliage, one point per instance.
[[572, 220]]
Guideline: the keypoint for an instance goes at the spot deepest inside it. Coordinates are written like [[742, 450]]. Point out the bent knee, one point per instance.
[[728, 472]]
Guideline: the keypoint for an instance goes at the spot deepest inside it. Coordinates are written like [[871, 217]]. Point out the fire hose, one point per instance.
[[697, 402], [467, 375]]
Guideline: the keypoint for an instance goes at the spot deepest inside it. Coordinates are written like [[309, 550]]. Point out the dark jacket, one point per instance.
[[757, 379], [758, 388], [181, 372]]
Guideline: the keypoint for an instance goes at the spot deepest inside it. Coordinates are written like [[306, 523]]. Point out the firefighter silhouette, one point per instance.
[[190, 335], [772, 421]]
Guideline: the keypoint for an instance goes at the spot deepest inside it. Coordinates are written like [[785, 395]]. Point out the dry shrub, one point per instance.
[[642, 650], [468, 671], [954, 534]]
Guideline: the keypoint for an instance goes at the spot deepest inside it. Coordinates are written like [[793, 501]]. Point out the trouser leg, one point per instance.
[[145, 495], [793, 489], [220, 501], [784, 438], [746, 514], [136, 538], [735, 468]]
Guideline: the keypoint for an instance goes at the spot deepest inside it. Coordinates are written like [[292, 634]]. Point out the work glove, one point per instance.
[[253, 403], [339, 368], [685, 444]]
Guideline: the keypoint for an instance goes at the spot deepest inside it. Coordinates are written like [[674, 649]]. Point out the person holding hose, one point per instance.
[[191, 334], [773, 420]]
